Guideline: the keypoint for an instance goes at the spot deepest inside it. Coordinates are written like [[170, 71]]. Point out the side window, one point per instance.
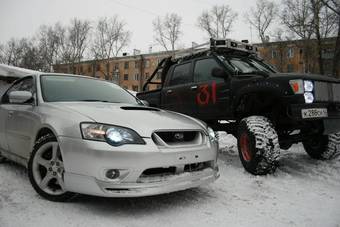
[[181, 75], [203, 69], [23, 85]]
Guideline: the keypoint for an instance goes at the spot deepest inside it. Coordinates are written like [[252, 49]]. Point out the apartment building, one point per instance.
[[299, 56], [130, 72]]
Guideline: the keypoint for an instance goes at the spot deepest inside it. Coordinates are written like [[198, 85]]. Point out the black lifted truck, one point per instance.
[[231, 89]]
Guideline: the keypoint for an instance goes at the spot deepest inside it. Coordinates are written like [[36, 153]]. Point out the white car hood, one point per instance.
[[143, 120]]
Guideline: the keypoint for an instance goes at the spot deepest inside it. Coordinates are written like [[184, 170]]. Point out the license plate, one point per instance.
[[314, 113]]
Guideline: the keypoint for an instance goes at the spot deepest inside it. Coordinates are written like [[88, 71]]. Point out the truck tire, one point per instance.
[[258, 145], [324, 147]]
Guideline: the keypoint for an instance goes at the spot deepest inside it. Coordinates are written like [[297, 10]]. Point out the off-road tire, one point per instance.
[[258, 145], [323, 147], [66, 196]]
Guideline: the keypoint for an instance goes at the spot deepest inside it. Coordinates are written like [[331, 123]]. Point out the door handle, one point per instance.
[[169, 91], [193, 87], [10, 113]]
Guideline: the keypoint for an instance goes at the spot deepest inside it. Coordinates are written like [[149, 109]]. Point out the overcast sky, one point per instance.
[[22, 18]]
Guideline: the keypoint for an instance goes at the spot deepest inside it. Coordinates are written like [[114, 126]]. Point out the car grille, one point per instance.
[[327, 92], [178, 138]]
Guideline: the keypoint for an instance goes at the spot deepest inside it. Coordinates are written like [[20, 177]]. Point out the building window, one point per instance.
[[146, 76], [327, 54], [135, 88], [89, 68], [290, 52], [126, 65], [126, 76], [274, 54], [147, 63], [136, 76], [137, 65], [98, 67], [116, 66], [290, 68]]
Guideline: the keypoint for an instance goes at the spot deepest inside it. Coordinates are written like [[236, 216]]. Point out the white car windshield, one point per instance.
[[58, 88]]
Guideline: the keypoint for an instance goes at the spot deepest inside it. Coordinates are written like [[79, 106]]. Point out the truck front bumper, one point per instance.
[[331, 121]]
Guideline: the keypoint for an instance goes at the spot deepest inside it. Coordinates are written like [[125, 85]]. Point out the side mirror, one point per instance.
[[145, 103], [19, 96], [219, 73]]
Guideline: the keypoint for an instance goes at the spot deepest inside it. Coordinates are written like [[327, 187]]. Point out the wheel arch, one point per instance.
[[255, 102]]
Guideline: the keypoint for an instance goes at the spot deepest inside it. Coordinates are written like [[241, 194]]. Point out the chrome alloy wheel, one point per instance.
[[48, 169]]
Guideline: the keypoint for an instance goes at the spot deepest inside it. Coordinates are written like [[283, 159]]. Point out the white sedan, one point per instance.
[[83, 135]]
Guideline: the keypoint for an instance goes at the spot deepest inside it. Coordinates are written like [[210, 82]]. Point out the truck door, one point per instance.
[[213, 94], [178, 94]]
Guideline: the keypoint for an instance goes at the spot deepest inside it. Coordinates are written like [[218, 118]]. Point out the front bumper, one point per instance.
[[86, 163], [332, 109]]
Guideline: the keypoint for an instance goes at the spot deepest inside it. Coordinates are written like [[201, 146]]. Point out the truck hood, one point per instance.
[[143, 120], [313, 77]]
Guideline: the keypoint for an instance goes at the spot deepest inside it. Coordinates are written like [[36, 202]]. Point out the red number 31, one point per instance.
[[206, 95]]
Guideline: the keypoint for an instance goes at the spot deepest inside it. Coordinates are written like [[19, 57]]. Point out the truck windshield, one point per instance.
[[247, 65], [58, 88]]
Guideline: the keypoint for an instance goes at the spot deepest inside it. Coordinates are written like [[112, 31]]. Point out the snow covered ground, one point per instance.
[[302, 192]]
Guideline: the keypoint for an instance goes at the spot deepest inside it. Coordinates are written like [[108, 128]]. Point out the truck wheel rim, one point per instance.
[[244, 144], [48, 169]]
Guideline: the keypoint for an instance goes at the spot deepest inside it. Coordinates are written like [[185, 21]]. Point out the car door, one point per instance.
[[212, 94], [178, 94], [22, 120]]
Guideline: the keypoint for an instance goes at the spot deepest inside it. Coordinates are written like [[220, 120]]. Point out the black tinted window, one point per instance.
[[203, 69], [181, 75]]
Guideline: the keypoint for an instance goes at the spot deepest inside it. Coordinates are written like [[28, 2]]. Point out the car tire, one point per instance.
[[323, 147], [258, 145], [46, 170]]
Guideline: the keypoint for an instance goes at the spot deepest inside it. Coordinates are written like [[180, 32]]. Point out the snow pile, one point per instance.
[[302, 192]]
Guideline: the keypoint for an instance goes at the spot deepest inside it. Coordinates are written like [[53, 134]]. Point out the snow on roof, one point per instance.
[[12, 71]]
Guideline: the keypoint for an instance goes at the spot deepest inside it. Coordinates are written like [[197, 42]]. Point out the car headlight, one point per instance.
[[113, 135], [212, 134]]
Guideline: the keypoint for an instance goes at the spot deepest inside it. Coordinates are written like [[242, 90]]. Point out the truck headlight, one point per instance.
[[309, 97], [305, 87], [308, 85], [113, 135]]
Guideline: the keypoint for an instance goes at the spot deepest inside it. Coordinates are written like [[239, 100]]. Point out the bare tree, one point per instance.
[[334, 6], [110, 36], [262, 17], [50, 41], [75, 43], [22, 53], [297, 17], [218, 21], [168, 30]]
